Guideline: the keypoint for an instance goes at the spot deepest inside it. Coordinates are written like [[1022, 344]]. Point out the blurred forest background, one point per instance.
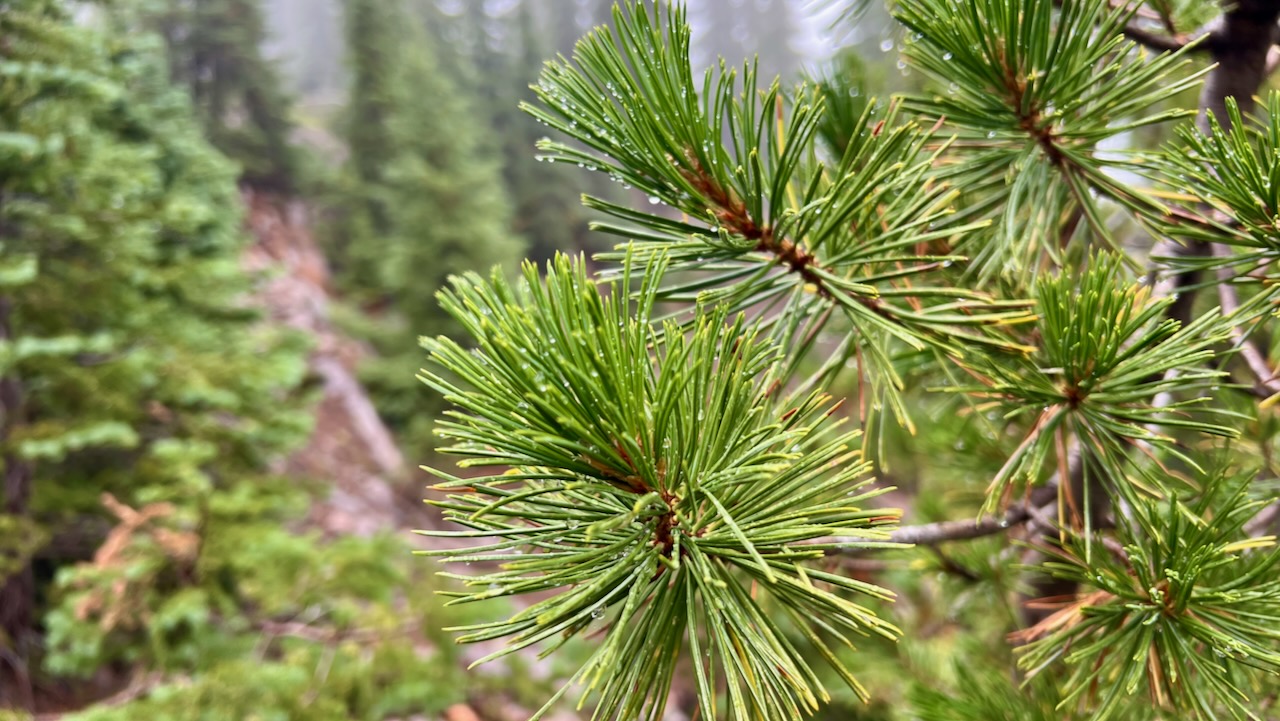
[[224, 222]]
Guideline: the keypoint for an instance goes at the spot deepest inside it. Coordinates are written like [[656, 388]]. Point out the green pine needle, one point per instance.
[[657, 491], [1106, 351], [767, 223], [1228, 185], [1031, 88], [1187, 612]]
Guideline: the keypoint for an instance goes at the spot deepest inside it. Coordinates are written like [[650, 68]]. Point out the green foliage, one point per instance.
[[1031, 92], [987, 257], [1187, 609], [132, 329], [845, 98], [214, 49], [662, 491], [22, 537], [543, 195], [1233, 173], [979, 695], [773, 226], [309, 630], [1106, 351], [154, 402], [423, 202], [668, 493]]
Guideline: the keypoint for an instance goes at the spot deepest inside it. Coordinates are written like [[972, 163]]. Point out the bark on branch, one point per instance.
[[932, 534], [1160, 42]]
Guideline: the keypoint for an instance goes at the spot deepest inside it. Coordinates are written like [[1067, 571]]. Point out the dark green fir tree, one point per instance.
[[547, 208], [215, 49], [425, 200], [149, 551]]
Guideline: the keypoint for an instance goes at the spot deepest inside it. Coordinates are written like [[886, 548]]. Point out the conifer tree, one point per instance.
[[427, 202], [546, 210], [215, 50], [130, 366], [146, 542], [1065, 349]]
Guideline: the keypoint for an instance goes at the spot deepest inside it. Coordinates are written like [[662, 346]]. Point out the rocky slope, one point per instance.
[[350, 448]]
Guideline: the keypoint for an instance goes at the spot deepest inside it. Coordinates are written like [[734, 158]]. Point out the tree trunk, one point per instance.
[[17, 592]]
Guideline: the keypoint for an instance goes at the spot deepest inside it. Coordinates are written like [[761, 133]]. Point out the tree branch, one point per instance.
[[1159, 42], [1267, 384], [932, 534], [1241, 42], [141, 686]]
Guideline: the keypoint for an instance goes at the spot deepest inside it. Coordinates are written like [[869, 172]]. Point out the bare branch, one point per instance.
[[930, 534], [1159, 42], [140, 687]]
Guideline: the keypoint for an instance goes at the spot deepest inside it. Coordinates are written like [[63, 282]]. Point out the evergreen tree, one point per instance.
[[547, 211], [427, 202], [129, 364], [215, 50], [499, 57], [659, 456], [145, 542]]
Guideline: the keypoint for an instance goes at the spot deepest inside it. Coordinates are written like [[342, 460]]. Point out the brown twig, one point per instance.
[[331, 635], [734, 216]]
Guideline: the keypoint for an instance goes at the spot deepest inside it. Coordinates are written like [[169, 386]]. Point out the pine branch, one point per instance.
[[140, 686], [1032, 91], [932, 534], [1042, 500], [734, 217], [649, 480], [1168, 41], [1105, 350], [1189, 582], [1159, 42]]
